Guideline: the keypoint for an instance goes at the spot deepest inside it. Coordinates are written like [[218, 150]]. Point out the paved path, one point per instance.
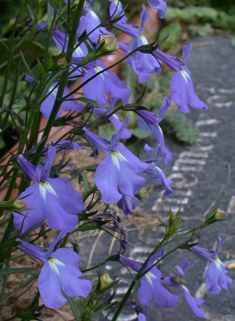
[[199, 174]]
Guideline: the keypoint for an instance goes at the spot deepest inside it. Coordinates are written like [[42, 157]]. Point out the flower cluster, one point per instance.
[[120, 177]]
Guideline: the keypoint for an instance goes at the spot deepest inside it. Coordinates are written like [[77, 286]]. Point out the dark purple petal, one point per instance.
[[128, 203], [131, 263], [194, 303], [28, 168], [49, 287], [50, 155], [202, 252], [33, 250], [171, 61]]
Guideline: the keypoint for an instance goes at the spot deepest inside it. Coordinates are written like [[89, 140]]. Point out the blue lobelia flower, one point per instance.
[[54, 199], [141, 317], [149, 122], [116, 174], [108, 82], [179, 281], [60, 272], [128, 203], [155, 172], [115, 11], [160, 5], [91, 22], [216, 272], [182, 89], [151, 286], [47, 105], [114, 119], [143, 64]]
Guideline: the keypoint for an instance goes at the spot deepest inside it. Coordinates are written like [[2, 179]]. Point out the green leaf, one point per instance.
[[232, 42], [174, 31], [180, 126], [28, 68], [4, 272], [73, 307], [89, 226], [140, 133], [135, 288]]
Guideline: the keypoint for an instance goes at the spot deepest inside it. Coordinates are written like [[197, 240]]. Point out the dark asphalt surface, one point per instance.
[[198, 178]]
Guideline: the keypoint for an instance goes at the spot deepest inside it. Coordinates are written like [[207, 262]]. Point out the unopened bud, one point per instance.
[[108, 43], [219, 215], [16, 205], [105, 280], [142, 194], [62, 63]]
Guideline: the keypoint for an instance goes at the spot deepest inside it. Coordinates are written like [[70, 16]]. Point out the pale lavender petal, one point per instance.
[[165, 104], [106, 179], [160, 5], [186, 52], [34, 215], [57, 217], [216, 277], [141, 317], [193, 303], [95, 89], [117, 124], [145, 292], [68, 197], [49, 288]]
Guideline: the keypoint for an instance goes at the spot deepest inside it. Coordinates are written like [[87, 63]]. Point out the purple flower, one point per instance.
[[54, 199], [105, 82], [128, 203], [160, 5], [60, 272], [48, 103], [116, 10], [216, 272], [156, 173], [143, 64], [148, 122], [91, 22], [182, 89], [117, 123], [141, 317], [116, 174], [165, 104], [179, 281], [151, 286]]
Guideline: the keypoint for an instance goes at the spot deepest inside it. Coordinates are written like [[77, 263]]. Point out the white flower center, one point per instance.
[[185, 74], [117, 158], [150, 276], [53, 263], [44, 188]]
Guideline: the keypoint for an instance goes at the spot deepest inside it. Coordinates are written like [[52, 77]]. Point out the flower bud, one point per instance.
[[62, 63], [105, 280], [142, 194], [16, 205], [219, 215], [108, 43]]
